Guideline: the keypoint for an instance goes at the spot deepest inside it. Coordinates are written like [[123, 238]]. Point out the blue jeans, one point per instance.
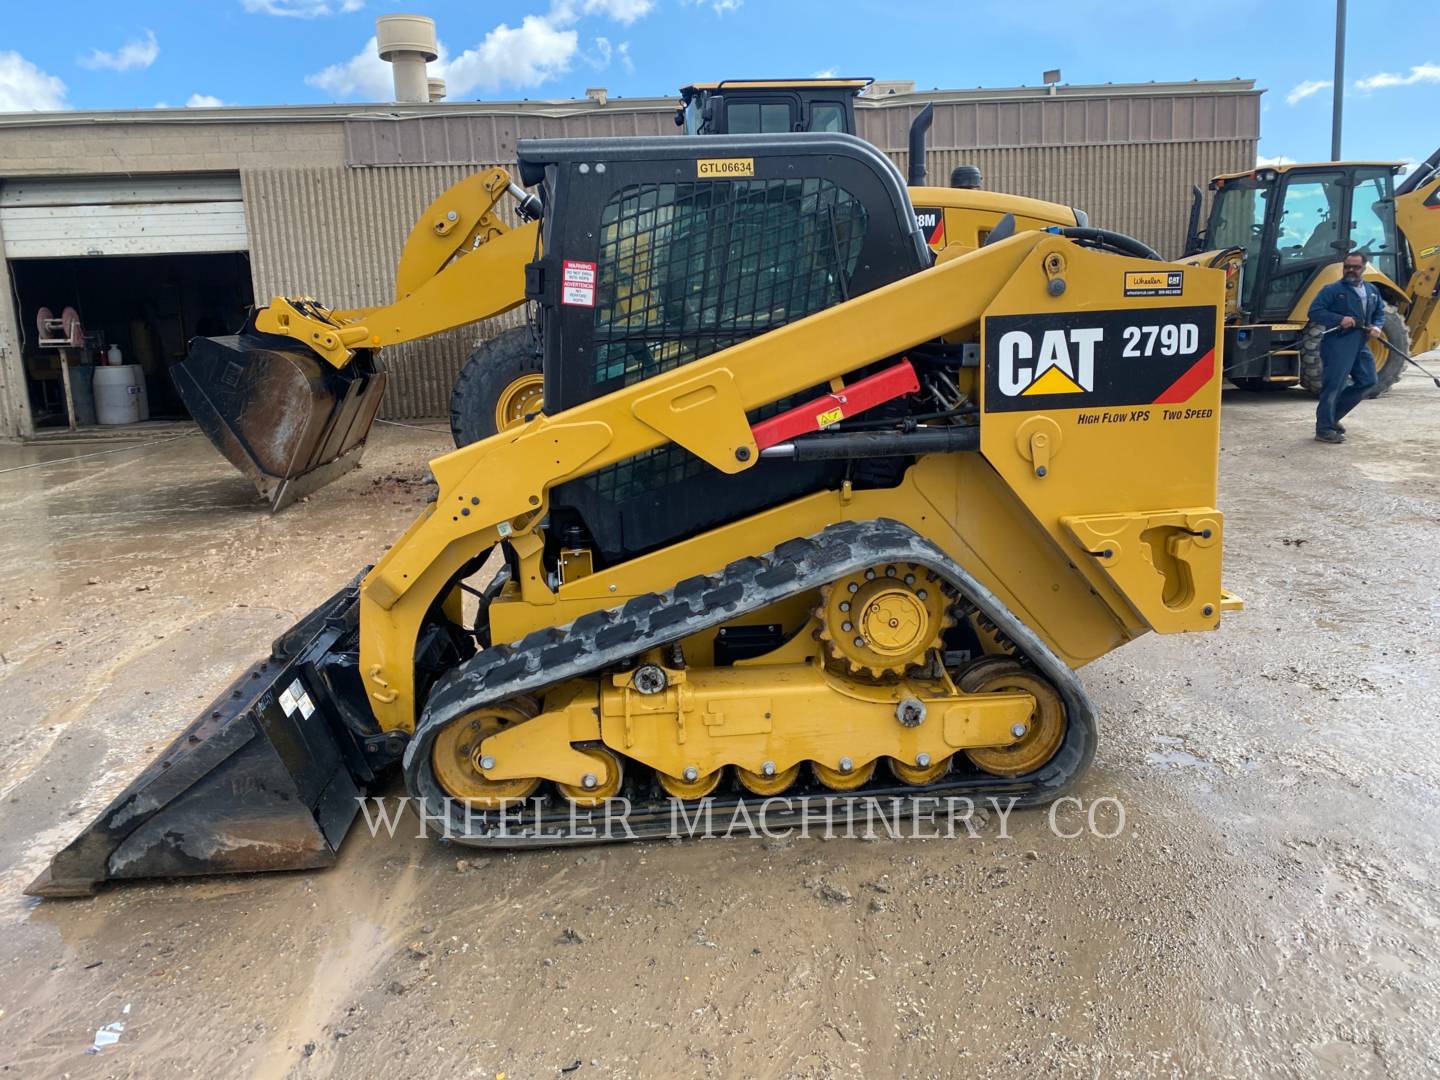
[[1336, 399]]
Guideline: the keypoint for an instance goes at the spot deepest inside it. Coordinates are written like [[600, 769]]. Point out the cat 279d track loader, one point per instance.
[[808, 512], [292, 419]]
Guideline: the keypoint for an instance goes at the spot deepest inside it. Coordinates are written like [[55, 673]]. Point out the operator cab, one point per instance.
[[769, 106], [1294, 220]]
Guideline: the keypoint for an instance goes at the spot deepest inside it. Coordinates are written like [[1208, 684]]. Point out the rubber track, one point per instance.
[[601, 640]]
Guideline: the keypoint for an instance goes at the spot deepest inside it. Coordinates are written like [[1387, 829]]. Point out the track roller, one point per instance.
[[696, 787], [841, 780], [920, 775], [596, 794], [760, 784]]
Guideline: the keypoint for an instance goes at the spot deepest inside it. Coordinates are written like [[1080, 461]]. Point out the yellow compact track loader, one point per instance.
[[291, 399], [1281, 231], [807, 512]]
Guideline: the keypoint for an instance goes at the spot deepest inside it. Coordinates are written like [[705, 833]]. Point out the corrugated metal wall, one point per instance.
[[1142, 189], [336, 233], [437, 140], [1064, 120]]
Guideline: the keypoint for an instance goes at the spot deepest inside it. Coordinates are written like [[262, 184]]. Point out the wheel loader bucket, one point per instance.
[[267, 778], [284, 417]]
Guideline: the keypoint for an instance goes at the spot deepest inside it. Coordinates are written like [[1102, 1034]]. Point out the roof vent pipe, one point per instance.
[[437, 89], [407, 43]]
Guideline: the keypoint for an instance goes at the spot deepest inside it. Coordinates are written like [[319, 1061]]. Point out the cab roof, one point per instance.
[[1294, 166], [853, 85]]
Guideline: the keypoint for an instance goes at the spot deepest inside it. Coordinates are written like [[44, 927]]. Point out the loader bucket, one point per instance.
[[267, 778], [283, 416]]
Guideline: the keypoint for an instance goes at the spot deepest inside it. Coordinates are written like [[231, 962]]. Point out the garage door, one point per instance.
[[160, 215]]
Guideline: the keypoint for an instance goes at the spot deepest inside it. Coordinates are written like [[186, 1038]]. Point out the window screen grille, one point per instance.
[[692, 268]]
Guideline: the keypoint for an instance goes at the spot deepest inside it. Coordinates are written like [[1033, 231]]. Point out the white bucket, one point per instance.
[[117, 395]]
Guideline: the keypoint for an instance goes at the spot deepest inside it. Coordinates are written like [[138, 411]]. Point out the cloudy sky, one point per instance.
[[99, 54]]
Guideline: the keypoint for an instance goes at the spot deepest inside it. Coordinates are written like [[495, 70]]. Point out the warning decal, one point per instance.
[[577, 283], [1086, 359]]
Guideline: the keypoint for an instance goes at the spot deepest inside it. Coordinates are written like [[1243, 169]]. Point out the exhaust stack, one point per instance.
[[918, 129], [407, 43]]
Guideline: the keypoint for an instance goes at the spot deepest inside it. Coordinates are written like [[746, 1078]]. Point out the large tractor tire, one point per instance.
[[1388, 366], [500, 385]]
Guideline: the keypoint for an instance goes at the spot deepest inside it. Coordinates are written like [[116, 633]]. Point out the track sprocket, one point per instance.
[[884, 620]]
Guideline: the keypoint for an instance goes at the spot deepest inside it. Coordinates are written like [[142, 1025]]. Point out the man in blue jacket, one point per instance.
[[1354, 306]]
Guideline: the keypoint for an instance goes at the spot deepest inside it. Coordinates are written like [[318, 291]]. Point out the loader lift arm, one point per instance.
[[461, 263], [290, 399]]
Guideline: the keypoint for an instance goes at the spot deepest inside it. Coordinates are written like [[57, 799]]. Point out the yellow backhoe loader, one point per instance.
[[294, 419], [807, 512], [1281, 231]]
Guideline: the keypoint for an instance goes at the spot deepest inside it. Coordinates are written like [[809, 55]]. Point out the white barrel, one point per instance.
[[117, 397], [137, 374]]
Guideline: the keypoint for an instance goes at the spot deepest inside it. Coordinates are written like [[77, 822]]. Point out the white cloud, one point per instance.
[[823, 73], [524, 55], [301, 9], [1261, 161], [1420, 73], [622, 11], [140, 53], [605, 52], [23, 86], [203, 101], [364, 75], [1308, 88], [720, 7], [540, 48]]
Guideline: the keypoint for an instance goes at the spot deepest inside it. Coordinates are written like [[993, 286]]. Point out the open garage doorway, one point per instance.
[[147, 306], [144, 263]]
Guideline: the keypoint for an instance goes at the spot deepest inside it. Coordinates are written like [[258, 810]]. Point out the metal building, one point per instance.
[[160, 224]]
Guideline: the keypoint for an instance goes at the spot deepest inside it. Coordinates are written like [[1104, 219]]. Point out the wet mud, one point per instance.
[[1270, 907]]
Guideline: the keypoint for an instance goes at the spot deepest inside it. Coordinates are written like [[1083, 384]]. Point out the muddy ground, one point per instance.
[[1270, 908]]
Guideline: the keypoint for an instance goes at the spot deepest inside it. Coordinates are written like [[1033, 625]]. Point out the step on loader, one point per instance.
[[807, 513]]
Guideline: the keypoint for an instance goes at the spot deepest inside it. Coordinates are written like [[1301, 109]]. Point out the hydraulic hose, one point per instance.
[[1111, 241]]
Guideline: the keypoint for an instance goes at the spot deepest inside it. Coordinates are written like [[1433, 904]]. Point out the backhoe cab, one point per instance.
[[769, 106], [1281, 231]]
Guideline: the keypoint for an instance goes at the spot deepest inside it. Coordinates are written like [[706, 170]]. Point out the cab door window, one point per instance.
[[827, 116], [1372, 220], [758, 117], [1311, 230], [1238, 220]]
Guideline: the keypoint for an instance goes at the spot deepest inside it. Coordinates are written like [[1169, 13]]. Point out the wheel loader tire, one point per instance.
[[500, 377], [1312, 370]]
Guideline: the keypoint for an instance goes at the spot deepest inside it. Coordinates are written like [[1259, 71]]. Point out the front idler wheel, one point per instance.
[[1044, 728], [459, 763]]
